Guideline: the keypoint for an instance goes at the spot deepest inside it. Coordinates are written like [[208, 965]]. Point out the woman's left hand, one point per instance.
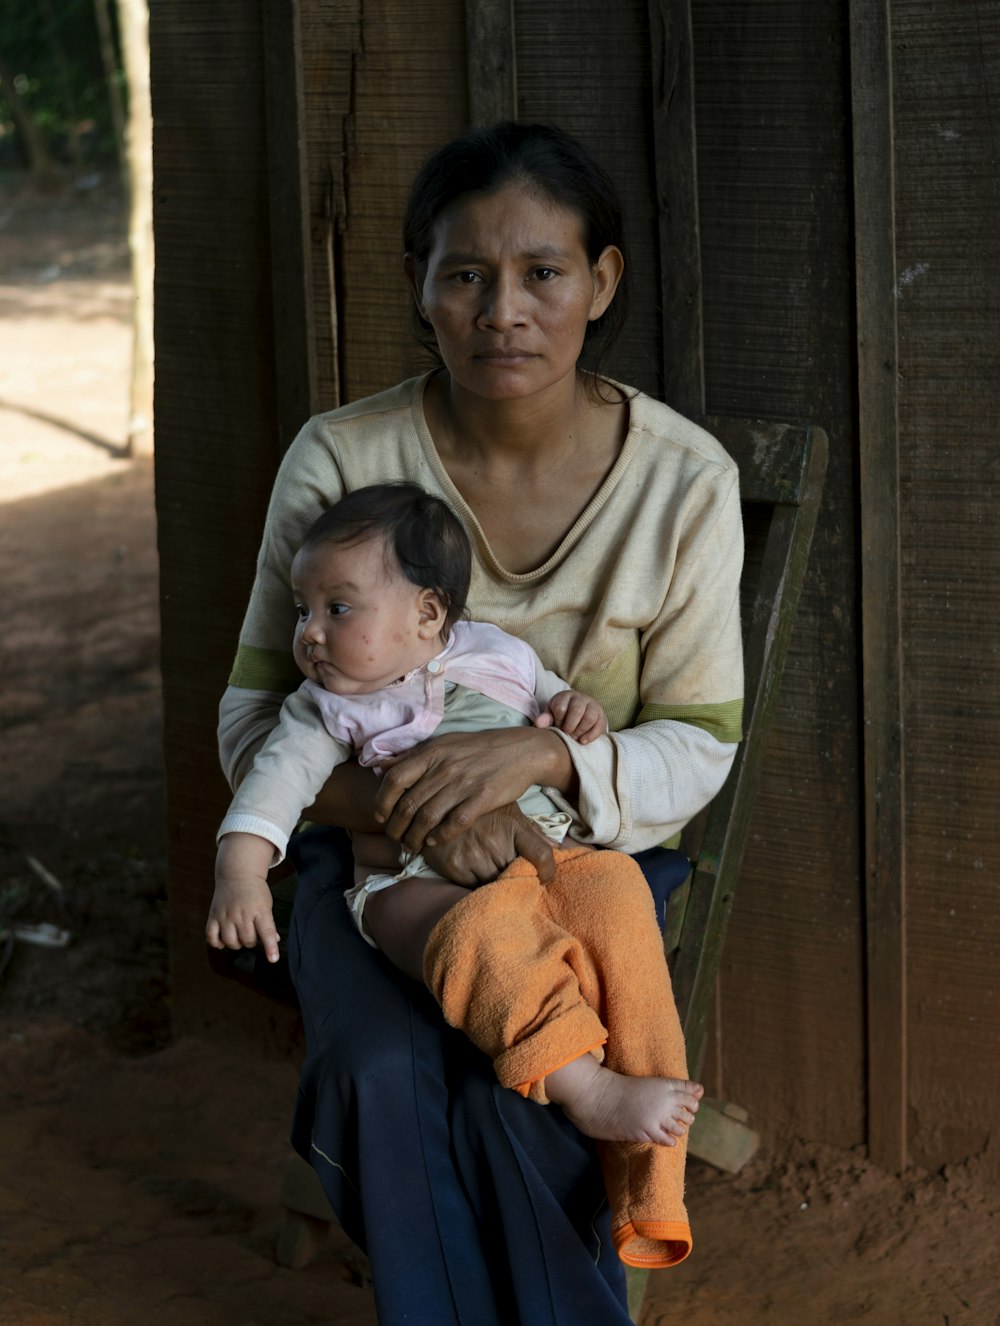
[[434, 792]]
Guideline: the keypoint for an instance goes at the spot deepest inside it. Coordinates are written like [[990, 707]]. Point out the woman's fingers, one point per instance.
[[442, 787], [536, 848], [489, 846], [419, 808]]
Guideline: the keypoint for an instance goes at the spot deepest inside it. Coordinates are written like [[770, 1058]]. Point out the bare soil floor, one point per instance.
[[139, 1174]]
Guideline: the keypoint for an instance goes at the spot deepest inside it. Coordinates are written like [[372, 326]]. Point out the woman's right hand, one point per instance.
[[488, 846]]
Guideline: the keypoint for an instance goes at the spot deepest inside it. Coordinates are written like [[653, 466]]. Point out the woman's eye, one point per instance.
[[544, 273], [465, 278]]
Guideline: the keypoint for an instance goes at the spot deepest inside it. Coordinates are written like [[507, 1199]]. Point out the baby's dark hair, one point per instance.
[[423, 533]]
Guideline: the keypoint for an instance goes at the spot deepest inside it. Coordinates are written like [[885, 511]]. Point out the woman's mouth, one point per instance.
[[504, 356]]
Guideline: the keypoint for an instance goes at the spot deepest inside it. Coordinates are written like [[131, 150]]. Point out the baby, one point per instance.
[[380, 582]]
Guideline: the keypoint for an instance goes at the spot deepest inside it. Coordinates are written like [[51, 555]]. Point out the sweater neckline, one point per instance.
[[575, 531]]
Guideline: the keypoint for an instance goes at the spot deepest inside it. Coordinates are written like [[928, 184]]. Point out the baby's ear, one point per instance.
[[432, 614]]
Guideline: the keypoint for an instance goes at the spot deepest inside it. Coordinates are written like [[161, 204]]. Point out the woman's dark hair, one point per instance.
[[423, 533], [542, 158]]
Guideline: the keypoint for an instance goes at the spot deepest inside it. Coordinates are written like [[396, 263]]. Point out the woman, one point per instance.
[[607, 533]]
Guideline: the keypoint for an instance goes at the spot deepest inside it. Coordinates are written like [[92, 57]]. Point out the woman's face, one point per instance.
[[509, 289]]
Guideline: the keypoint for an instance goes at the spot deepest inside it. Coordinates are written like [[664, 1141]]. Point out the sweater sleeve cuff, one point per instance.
[[598, 814], [237, 822]]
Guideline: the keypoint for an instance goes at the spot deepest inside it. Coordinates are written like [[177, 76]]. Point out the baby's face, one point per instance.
[[362, 625]]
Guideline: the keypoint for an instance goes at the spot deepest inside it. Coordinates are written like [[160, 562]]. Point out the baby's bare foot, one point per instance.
[[616, 1108]]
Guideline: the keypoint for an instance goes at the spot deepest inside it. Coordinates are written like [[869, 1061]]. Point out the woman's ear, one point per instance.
[[607, 272], [431, 615], [415, 276]]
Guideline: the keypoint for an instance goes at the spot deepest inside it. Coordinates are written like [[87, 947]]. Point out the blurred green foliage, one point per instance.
[[52, 50]]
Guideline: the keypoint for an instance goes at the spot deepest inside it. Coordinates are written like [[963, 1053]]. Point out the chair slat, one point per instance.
[[782, 467]]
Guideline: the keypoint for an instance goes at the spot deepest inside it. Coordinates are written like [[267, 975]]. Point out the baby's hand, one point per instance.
[[576, 714], [240, 913]]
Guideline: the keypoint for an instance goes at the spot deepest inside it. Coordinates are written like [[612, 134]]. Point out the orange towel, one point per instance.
[[536, 975]]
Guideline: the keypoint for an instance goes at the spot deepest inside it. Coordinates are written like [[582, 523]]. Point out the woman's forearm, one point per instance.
[[553, 766]]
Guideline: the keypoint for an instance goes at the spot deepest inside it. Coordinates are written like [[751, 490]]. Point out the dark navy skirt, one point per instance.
[[476, 1207]]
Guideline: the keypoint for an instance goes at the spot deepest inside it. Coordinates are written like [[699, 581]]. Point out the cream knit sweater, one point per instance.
[[638, 606]]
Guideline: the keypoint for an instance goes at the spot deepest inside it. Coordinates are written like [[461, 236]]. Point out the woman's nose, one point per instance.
[[503, 303]]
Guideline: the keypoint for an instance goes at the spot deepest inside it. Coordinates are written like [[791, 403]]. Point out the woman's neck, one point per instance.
[[536, 432]]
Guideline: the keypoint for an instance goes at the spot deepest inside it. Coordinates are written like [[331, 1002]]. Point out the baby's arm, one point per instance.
[[240, 913], [576, 714]]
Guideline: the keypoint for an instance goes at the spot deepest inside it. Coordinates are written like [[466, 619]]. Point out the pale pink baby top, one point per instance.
[[387, 722]]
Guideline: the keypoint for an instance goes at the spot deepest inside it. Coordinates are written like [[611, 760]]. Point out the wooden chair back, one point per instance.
[[782, 470]]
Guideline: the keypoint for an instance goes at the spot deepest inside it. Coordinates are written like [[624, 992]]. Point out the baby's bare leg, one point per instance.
[[402, 917], [616, 1108]]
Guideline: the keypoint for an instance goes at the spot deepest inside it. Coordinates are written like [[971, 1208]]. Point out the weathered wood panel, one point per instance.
[[396, 115], [371, 115], [216, 425], [776, 261], [946, 70], [675, 170], [589, 71], [878, 443]]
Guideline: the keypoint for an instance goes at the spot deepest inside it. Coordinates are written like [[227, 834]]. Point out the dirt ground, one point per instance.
[[138, 1174]]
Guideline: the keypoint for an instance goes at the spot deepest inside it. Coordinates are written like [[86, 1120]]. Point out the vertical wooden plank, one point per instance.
[[288, 192], [777, 276], [332, 52], [885, 863], [216, 432], [945, 76], [395, 117], [676, 175], [588, 70], [492, 60]]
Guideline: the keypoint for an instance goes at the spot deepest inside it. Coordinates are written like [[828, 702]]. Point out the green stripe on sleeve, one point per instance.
[[257, 669], [724, 721]]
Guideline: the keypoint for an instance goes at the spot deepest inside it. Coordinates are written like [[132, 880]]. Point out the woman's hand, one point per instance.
[[437, 791], [489, 846]]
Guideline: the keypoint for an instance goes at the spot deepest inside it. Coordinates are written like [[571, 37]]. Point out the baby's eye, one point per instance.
[[302, 612], [338, 609]]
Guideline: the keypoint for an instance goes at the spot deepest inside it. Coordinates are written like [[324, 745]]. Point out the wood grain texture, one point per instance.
[[408, 95], [774, 172], [675, 151], [216, 426], [492, 60], [946, 67], [588, 70], [288, 195], [882, 679]]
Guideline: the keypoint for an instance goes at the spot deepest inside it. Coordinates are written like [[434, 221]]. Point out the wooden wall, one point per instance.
[[215, 415], [284, 143], [946, 73]]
